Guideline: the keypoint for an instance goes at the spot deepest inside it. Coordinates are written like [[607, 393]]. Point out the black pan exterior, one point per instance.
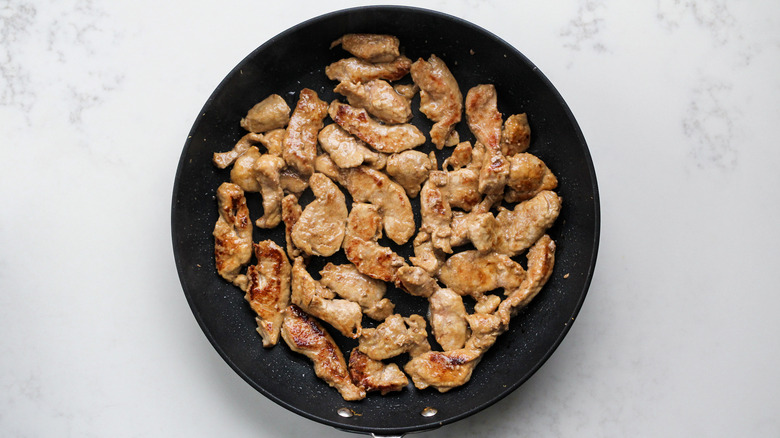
[[296, 59]]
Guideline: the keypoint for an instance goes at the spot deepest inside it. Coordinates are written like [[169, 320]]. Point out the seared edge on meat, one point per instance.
[[300, 140], [320, 302], [268, 293], [383, 138], [374, 375], [440, 97], [232, 234], [304, 335]]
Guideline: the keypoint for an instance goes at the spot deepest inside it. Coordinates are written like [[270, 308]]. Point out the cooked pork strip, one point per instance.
[[383, 138], [370, 47], [410, 169], [440, 97], [291, 212], [268, 293], [425, 255], [485, 329], [443, 370], [349, 283], [379, 98], [368, 185], [267, 169], [304, 335], [347, 150], [485, 122], [474, 273], [300, 139], [515, 135], [416, 281], [374, 375], [395, 336], [528, 175], [224, 159], [358, 70], [320, 228], [243, 172], [318, 301], [270, 113], [447, 315], [436, 212], [541, 259], [526, 223], [232, 232], [364, 227]]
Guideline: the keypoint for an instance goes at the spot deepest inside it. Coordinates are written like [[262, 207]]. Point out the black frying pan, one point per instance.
[[295, 59]]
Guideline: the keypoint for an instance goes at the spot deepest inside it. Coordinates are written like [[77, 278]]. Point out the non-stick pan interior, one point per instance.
[[296, 59]]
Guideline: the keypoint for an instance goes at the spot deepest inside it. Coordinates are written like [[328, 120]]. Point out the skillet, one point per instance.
[[296, 59]]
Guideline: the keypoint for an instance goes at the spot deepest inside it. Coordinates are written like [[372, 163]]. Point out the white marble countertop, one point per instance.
[[678, 100]]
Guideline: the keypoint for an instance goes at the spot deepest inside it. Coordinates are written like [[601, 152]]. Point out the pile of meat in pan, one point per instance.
[[466, 246]]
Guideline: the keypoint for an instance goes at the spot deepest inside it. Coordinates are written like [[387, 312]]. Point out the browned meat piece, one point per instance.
[[425, 255], [436, 212], [516, 135], [364, 227], [407, 90], [416, 281], [396, 335], [477, 226], [268, 293], [474, 273], [291, 212], [481, 229], [320, 229], [368, 185], [379, 98], [304, 335], [443, 370], [300, 139], [410, 169], [485, 122], [320, 302], [267, 168], [541, 259], [373, 375], [487, 304], [358, 70], [462, 189], [224, 159], [243, 172], [440, 97], [271, 113], [384, 138], [528, 175], [419, 335], [520, 228], [461, 156], [447, 315], [232, 233], [292, 182], [485, 329], [347, 150], [273, 141], [370, 47], [350, 284]]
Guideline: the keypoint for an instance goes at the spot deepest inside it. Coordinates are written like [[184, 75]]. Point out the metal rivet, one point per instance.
[[345, 412], [429, 412]]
